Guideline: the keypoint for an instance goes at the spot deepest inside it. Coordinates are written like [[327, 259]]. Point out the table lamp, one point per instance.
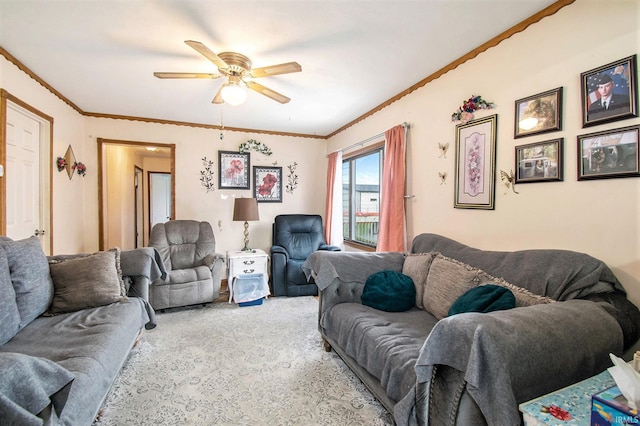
[[245, 209]]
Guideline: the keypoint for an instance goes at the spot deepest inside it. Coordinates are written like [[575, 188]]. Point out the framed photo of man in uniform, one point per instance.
[[609, 92]]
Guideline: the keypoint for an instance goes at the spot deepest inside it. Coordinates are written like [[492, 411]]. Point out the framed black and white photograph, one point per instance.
[[267, 184], [233, 170], [539, 113], [609, 154], [609, 92], [540, 161], [475, 177]]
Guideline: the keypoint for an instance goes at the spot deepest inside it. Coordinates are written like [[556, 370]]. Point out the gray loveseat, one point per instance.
[[472, 368], [66, 328]]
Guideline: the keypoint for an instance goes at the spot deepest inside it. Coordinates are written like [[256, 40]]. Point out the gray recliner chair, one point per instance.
[[194, 269]]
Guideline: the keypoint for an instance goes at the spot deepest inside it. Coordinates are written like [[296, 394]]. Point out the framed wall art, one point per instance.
[[540, 161], [609, 92], [539, 113], [609, 154], [233, 170], [267, 184], [475, 164]]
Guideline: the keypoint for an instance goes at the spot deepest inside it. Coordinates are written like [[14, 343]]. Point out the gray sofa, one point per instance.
[[428, 367], [67, 325]]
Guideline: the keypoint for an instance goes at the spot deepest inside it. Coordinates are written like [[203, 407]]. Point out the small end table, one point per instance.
[[246, 262]]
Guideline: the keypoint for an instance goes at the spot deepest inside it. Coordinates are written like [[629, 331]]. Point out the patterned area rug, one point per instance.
[[229, 365]]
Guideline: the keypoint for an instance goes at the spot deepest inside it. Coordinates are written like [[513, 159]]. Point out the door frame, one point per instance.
[[46, 160], [138, 182], [102, 143]]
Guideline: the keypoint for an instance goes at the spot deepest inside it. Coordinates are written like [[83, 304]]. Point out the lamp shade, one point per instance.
[[245, 209], [233, 93]]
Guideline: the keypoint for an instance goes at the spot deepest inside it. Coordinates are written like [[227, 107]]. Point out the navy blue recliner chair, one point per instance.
[[295, 237]]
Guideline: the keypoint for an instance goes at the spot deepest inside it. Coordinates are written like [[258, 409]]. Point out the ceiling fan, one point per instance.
[[237, 69]]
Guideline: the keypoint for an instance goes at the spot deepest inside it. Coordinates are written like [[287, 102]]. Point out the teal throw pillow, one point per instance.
[[484, 298], [389, 291]]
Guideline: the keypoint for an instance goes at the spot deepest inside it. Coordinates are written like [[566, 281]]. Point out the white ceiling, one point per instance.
[[355, 54]]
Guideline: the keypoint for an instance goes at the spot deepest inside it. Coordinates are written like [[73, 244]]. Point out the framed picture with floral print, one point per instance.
[[233, 170], [267, 184], [475, 177]]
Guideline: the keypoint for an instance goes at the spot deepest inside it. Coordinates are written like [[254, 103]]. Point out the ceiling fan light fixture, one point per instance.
[[233, 93]]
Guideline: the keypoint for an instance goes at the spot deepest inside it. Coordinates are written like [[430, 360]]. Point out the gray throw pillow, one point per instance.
[[87, 282], [30, 277], [9, 315]]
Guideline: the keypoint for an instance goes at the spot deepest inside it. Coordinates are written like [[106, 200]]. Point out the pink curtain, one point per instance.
[[328, 212], [392, 233]]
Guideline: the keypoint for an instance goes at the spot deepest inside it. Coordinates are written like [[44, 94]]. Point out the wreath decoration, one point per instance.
[[253, 144], [474, 103]]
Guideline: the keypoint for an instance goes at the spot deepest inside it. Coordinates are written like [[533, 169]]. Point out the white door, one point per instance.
[[160, 197], [26, 179]]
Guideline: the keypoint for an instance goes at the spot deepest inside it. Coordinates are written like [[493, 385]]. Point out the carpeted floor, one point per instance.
[[227, 365]]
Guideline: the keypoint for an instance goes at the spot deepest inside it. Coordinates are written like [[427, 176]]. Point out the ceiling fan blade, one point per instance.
[[207, 53], [185, 75], [217, 99], [268, 92], [287, 68]]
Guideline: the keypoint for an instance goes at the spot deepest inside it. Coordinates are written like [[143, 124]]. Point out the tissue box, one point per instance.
[[609, 408]]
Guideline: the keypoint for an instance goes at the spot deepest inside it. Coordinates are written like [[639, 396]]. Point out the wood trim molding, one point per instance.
[[3, 161], [548, 11], [199, 125]]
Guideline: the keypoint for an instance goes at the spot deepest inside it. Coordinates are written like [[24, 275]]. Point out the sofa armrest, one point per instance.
[[329, 247], [512, 356], [144, 261], [325, 266]]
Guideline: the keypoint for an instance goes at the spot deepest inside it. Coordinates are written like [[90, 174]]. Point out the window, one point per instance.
[[361, 182]]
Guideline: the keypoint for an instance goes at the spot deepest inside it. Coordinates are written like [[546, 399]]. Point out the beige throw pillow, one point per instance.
[[448, 279], [416, 266], [87, 282]]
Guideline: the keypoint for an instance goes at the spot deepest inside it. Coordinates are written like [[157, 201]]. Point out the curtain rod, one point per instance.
[[370, 139]]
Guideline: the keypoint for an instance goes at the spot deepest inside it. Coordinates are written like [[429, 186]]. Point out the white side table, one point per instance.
[[246, 262]]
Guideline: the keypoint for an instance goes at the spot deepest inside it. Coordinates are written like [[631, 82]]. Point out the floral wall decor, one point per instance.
[[80, 168], [465, 112], [61, 163], [292, 178], [253, 144], [206, 175]]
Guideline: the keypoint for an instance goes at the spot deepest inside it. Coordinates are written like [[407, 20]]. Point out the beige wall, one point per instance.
[[598, 217], [216, 207]]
